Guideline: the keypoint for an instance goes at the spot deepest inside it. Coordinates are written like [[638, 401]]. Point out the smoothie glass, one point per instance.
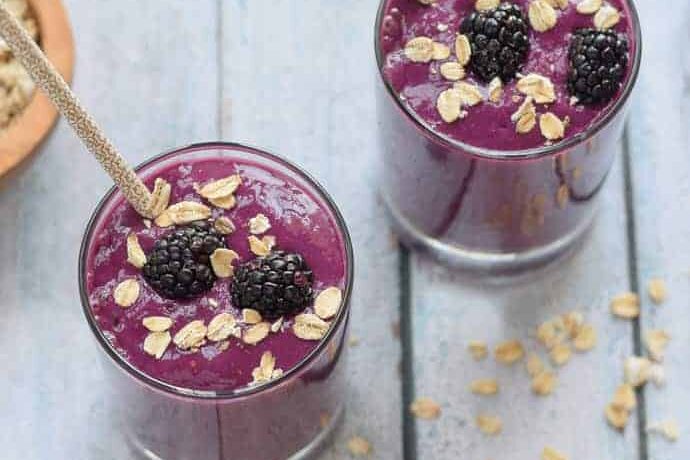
[[289, 417], [490, 210]]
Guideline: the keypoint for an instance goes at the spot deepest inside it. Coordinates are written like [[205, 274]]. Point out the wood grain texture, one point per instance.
[[151, 85], [298, 79], [449, 311], [660, 169]]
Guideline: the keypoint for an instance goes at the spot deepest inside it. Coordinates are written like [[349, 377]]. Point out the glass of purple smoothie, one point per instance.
[[499, 122], [223, 320]]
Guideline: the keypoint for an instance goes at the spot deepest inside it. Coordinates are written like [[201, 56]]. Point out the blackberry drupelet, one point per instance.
[[179, 266], [499, 41], [598, 61], [279, 284]]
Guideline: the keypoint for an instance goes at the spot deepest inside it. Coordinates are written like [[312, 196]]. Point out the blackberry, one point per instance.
[[279, 284], [598, 60], [499, 41], [179, 265]]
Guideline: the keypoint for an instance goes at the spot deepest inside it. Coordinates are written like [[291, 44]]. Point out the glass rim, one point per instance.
[[534, 152], [158, 384]]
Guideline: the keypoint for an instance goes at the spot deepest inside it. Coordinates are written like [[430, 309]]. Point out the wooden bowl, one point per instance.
[[31, 126]]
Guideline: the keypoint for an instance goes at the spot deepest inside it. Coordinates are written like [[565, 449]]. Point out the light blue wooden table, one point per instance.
[[298, 78]]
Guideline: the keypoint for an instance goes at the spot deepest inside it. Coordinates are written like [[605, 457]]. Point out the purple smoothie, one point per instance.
[[300, 224], [473, 192], [203, 402], [487, 125]]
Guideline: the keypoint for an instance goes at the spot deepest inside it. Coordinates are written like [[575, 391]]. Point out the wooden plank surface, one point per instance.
[[296, 81], [147, 71], [660, 170], [449, 311]]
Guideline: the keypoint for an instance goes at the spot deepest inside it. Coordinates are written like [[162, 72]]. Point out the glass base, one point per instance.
[[487, 263], [308, 452]]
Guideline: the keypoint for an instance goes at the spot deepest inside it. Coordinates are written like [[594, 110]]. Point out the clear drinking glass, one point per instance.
[[487, 210], [289, 417]]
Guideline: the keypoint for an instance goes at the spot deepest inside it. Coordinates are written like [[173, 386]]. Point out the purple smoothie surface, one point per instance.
[[300, 221], [488, 125]]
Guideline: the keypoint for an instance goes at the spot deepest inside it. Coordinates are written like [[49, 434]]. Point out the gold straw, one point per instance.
[[53, 85]]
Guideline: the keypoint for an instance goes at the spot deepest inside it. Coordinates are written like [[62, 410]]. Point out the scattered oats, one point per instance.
[[606, 17], [668, 429], [260, 247], [463, 50], [426, 2], [425, 408], [441, 52], [637, 370], [586, 338], [540, 88], [574, 100], [264, 372], [478, 350], [551, 454], [160, 197], [251, 316], [224, 345], [359, 447], [277, 373], [135, 255], [259, 224], [226, 202], [625, 397], [535, 366], [224, 225], [221, 262], [544, 383], [441, 27], [562, 196], [220, 327], [495, 90], [656, 341], [561, 354], [489, 424], [449, 104], [626, 305], [486, 5], [213, 303], [185, 212], [469, 93], [525, 117], [156, 343], [452, 71], [163, 220], [549, 334], [589, 6], [353, 341], [562, 4], [221, 188], [192, 335], [276, 325], [542, 15], [484, 387], [308, 326], [617, 416], [572, 322], [126, 293], [420, 49], [657, 291], [328, 302], [509, 352], [147, 223], [552, 128], [256, 333], [157, 323]]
